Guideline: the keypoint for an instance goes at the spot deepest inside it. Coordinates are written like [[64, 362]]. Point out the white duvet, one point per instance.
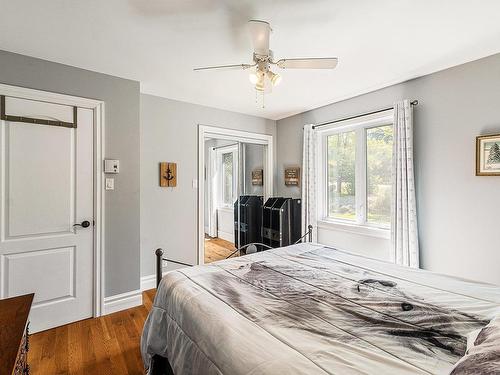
[[310, 309]]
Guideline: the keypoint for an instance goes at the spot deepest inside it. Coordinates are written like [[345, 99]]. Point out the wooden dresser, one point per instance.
[[14, 335]]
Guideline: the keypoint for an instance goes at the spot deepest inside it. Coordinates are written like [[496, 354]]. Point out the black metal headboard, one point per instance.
[[160, 259]]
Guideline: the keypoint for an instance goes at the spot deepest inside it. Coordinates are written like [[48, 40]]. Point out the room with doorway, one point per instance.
[[249, 187]]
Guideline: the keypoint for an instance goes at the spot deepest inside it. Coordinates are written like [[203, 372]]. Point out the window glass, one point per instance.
[[341, 150], [378, 174], [227, 178]]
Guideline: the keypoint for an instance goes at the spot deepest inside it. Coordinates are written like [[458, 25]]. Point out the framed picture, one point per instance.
[[488, 155]]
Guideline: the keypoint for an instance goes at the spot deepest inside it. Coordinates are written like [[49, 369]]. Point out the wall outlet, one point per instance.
[[110, 184]]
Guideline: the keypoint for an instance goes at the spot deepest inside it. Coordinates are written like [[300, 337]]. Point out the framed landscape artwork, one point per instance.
[[488, 155]]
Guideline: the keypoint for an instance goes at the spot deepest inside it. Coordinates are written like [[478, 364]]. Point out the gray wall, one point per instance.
[[169, 132], [254, 159], [458, 212], [122, 142]]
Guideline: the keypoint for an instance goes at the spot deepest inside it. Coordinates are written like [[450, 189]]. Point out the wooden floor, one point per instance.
[[217, 249], [105, 345]]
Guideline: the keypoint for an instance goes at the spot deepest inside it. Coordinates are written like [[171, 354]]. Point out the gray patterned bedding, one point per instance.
[[311, 309]]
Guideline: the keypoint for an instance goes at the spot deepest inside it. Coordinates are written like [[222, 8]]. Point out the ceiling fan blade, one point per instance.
[[260, 32], [311, 63], [227, 67]]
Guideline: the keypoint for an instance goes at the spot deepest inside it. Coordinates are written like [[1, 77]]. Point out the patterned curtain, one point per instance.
[[404, 232], [309, 154]]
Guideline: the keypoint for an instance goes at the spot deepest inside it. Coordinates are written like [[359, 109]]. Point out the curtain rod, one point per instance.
[[413, 103]]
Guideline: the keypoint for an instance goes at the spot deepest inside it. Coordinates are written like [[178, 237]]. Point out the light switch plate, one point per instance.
[[111, 166], [110, 184]]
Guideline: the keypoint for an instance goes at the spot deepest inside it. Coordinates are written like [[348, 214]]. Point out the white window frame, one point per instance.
[[359, 125], [220, 174]]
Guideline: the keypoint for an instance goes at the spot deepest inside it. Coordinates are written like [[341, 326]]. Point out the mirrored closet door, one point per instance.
[[234, 192]]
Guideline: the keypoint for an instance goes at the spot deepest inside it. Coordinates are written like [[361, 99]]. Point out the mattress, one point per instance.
[[312, 309]]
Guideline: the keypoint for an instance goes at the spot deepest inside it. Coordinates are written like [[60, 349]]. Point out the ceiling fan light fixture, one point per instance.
[[260, 75], [274, 78]]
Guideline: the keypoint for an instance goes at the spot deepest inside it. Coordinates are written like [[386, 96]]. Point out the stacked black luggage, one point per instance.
[[281, 221], [250, 220], [277, 223]]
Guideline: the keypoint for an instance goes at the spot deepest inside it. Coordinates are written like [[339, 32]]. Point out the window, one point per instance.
[[356, 160], [378, 174], [341, 182], [227, 176]]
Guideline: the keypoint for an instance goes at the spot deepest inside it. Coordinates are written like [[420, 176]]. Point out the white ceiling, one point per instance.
[[158, 42]]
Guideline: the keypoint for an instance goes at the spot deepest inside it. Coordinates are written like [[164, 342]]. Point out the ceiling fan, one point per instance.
[[261, 75]]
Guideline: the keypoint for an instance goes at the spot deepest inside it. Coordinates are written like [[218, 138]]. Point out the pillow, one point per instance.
[[483, 352]]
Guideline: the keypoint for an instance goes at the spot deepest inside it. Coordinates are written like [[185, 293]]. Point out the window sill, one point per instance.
[[362, 230]]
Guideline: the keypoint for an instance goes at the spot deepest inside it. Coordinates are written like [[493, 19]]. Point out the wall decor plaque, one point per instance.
[[258, 177], [292, 176], [168, 174]]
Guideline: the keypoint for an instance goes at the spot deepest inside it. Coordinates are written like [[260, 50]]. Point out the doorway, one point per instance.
[[50, 200], [233, 165]]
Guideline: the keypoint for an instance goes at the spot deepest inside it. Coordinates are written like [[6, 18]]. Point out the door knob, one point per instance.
[[84, 224]]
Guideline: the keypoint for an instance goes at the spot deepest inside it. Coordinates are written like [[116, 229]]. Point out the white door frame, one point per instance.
[[97, 107], [206, 131]]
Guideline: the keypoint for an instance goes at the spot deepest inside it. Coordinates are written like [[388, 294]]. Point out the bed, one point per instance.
[[312, 309]]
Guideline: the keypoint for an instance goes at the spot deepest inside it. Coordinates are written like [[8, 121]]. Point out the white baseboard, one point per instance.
[[122, 301], [225, 235], [148, 282]]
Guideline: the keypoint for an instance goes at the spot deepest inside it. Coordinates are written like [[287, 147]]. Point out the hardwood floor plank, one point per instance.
[[101, 349], [74, 349], [217, 249], [48, 349], [61, 354], [109, 345]]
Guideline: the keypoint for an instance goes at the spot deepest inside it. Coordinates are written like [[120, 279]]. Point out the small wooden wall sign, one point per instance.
[[168, 174], [257, 177], [292, 176]]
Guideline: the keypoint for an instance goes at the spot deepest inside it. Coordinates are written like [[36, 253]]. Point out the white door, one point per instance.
[[46, 179]]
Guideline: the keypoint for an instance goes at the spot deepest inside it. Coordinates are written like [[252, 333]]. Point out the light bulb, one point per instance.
[[274, 78], [253, 77], [259, 85]]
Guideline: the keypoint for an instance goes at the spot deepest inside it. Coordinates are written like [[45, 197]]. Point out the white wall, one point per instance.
[[458, 212], [169, 132]]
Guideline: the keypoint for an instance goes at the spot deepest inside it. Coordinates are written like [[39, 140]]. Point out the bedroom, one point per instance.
[[115, 81]]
